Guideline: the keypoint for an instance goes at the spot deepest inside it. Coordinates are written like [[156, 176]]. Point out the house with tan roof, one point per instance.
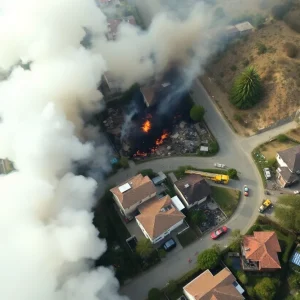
[[192, 189], [289, 166], [152, 93], [132, 193], [206, 286], [158, 218], [259, 252]]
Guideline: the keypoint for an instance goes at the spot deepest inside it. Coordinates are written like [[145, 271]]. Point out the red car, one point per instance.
[[220, 231]]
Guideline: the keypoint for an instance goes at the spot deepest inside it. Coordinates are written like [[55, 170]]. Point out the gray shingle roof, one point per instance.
[[291, 157], [193, 187]]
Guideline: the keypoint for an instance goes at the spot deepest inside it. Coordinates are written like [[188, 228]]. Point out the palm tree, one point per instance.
[[144, 247], [247, 89]]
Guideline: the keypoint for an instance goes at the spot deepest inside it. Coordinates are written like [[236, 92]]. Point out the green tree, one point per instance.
[[198, 217], [124, 162], [279, 11], [294, 281], [265, 289], [208, 259], [154, 294], [171, 286], [144, 247], [247, 89], [232, 173], [242, 277], [197, 113]]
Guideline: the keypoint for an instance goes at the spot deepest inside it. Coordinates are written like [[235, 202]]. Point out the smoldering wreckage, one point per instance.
[[46, 223]]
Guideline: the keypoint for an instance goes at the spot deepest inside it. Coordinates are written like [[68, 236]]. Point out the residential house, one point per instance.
[[132, 193], [207, 286], [111, 86], [289, 166], [192, 189], [158, 218], [259, 252], [154, 92]]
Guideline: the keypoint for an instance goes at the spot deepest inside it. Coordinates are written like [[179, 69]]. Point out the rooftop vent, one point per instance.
[[247, 249], [186, 185]]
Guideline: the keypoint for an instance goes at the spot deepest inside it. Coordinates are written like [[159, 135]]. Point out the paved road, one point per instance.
[[235, 152]]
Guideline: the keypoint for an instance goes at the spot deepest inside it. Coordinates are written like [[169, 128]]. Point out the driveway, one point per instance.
[[235, 152]]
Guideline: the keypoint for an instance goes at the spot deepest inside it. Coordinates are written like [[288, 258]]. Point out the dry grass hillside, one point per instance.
[[266, 50]]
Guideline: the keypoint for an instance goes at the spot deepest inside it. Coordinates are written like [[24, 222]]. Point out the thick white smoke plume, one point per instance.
[[47, 237]]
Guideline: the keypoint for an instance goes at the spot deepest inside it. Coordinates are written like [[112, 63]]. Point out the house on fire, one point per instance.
[[259, 252], [158, 218], [192, 189], [289, 166], [153, 92], [207, 286], [132, 193]]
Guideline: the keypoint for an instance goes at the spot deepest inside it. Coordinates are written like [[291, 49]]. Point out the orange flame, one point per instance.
[[146, 126], [140, 153], [160, 140]]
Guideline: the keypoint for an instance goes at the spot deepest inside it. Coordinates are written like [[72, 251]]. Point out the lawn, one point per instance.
[[269, 150], [226, 198], [187, 237]]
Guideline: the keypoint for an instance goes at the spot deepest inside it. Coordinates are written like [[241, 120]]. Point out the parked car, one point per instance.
[[296, 192], [220, 231], [169, 245], [267, 173], [222, 166], [246, 190]]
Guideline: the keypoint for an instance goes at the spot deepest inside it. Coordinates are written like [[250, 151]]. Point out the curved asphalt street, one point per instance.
[[235, 152]]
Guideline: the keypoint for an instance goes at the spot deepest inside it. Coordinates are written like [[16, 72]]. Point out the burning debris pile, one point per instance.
[[148, 134]]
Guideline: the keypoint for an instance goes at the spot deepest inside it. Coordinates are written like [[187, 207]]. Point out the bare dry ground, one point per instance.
[[280, 75]]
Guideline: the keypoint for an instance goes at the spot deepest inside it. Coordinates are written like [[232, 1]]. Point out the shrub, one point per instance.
[[124, 162], [279, 11], [242, 277], [292, 19], [247, 89], [154, 294], [198, 217], [162, 253], [144, 247], [233, 68], [197, 113], [171, 286], [290, 49], [208, 259], [246, 62], [261, 48], [213, 147], [147, 172], [232, 173], [294, 281], [282, 138]]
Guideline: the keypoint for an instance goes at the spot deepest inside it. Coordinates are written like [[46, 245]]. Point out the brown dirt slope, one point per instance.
[[280, 74]]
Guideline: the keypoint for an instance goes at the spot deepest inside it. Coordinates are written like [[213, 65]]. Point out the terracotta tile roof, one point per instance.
[[263, 248], [158, 215], [209, 287], [197, 189], [141, 187], [291, 157]]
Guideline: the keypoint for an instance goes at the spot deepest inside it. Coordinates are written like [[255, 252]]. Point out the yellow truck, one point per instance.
[[217, 178], [265, 205]]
